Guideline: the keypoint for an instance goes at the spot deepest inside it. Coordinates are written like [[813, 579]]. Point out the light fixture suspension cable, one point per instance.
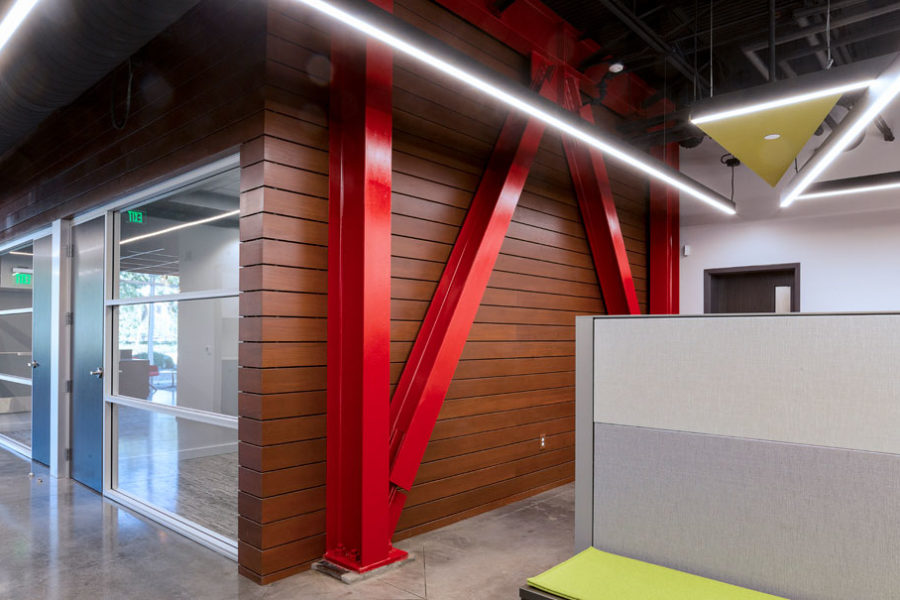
[[773, 68], [830, 61], [710, 48]]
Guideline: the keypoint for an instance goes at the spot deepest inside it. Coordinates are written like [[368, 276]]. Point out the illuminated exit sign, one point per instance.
[[135, 216], [22, 278]]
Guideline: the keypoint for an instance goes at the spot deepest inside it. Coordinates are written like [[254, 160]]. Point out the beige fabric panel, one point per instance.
[[829, 380]]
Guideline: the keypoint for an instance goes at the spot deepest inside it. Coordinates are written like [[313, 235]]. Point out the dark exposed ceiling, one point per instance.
[[66, 46], [678, 60]]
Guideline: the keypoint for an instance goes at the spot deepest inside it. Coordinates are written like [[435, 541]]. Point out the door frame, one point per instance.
[[173, 521], [8, 443], [708, 275]]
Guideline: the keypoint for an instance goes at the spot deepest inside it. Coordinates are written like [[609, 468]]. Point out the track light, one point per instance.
[[646, 164], [786, 101], [853, 186], [881, 93], [14, 18]]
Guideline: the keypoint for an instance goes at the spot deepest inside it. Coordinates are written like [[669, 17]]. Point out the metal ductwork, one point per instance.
[[66, 46]]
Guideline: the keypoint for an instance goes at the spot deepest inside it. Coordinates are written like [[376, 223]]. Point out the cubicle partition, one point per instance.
[[761, 450]]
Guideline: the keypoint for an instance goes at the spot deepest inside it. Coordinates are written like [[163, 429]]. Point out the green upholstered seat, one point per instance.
[[597, 575]]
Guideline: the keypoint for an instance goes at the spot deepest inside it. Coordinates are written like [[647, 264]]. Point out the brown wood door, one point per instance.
[[753, 289]]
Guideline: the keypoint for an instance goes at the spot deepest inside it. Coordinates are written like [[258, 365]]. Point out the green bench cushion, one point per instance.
[[597, 575]]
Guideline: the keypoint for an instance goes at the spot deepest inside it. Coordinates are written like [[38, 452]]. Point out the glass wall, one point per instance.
[[16, 280], [174, 316]]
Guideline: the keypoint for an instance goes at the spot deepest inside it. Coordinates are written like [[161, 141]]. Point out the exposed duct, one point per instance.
[[66, 46]]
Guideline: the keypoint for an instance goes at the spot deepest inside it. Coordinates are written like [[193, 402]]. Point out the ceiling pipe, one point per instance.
[[821, 8], [750, 51], [835, 23], [652, 39]]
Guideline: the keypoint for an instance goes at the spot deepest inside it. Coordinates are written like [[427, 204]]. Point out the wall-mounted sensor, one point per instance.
[[686, 250]]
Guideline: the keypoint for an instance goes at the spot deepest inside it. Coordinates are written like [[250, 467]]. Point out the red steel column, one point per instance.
[[359, 297], [664, 239], [598, 211], [439, 343]]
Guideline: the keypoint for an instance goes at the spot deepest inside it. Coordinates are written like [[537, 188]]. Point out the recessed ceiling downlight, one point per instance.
[[772, 136]]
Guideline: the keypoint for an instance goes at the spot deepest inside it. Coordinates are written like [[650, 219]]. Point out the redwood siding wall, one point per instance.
[[284, 235], [197, 94], [516, 379]]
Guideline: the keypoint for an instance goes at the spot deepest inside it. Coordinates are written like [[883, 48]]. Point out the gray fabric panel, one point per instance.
[[803, 522], [828, 380]]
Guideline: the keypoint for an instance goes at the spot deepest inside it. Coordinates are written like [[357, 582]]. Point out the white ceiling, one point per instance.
[[756, 200]]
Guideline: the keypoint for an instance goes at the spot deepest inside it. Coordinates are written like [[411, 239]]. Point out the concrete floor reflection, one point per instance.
[[17, 427], [184, 467], [59, 540]]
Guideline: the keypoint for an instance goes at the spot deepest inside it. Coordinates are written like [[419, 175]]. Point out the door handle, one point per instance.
[[33, 364], [98, 373]]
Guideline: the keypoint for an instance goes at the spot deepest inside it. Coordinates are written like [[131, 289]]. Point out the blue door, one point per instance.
[[87, 353], [40, 348]]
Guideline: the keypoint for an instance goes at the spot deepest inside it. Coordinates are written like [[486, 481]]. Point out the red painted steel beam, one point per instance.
[[439, 343], [359, 297], [664, 239], [529, 26], [598, 211]]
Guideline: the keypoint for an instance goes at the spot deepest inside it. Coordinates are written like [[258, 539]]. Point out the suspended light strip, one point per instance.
[[14, 19], [850, 191], [19, 253], [786, 101], [629, 157], [881, 93], [178, 227]]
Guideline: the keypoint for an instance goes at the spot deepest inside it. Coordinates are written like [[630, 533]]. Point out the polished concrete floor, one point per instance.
[[59, 540], [17, 426]]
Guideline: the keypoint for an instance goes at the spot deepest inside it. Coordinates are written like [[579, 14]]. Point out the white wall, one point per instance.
[[848, 262], [208, 259]]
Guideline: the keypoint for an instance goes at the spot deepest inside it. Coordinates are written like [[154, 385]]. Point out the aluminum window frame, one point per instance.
[[178, 523]]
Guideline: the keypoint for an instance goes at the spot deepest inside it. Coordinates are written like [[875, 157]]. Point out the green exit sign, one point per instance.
[[22, 278], [135, 216]]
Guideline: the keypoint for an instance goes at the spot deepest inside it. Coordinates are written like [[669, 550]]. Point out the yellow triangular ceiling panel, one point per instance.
[[744, 135]]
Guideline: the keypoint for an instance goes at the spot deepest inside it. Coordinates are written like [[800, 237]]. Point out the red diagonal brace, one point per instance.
[[359, 296], [664, 239], [598, 211], [439, 343]]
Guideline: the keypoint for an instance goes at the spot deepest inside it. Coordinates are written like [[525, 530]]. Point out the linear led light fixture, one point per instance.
[[853, 186], [643, 163], [786, 101], [182, 226], [882, 91], [14, 18], [20, 253]]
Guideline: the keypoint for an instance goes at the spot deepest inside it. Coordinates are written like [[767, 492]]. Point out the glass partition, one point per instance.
[[174, 353], [16, 280], [179, 465], [179, 353]]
